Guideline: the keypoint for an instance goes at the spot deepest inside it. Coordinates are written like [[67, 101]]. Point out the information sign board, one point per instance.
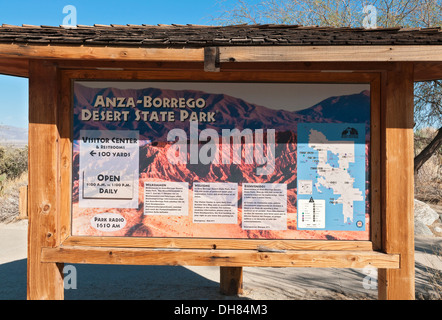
[[221, 160]]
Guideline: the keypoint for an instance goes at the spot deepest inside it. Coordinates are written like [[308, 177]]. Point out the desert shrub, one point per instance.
[[13, 161]]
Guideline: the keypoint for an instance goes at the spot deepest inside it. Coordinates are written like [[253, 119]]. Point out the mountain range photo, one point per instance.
[[230, 112]]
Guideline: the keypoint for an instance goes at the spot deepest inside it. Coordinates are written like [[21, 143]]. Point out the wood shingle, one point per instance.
[[204, 36]]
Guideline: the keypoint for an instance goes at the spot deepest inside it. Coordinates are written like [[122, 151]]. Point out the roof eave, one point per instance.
[[14, 57]]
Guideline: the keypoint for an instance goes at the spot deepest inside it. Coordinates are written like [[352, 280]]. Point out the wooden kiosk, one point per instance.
[[53, 58]]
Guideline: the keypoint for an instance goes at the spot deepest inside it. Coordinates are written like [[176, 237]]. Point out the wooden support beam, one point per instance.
[[228, 54], [330, 53], [220, 244], [100, 53], [225, 258], [130, 65], [398, 175], [307, 66], [427, 71], [14, 67], [211, 59], [45, 280], [231, 281], [23, 203]]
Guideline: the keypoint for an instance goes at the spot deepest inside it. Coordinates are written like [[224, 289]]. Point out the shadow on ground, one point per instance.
[[13, 280], [115, 282], [428, 282]]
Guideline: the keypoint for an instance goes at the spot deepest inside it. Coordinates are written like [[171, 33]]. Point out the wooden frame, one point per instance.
[[387, 53], [50, 243], [197, 243], [423, 71]]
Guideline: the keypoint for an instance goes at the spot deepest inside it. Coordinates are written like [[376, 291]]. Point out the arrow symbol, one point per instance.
[[92, 153]]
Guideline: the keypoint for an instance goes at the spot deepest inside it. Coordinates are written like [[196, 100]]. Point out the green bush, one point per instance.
[[13, 161]]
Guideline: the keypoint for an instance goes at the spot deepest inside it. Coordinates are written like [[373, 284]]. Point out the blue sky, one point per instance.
[[14, 91]]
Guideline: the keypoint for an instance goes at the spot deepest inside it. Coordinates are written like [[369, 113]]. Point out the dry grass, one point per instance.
[[436, 278], [9, 198]]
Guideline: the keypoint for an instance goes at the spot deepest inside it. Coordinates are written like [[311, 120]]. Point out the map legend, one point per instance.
[[312, 213]]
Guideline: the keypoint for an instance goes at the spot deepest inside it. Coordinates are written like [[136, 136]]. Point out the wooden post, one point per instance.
[[23, 203], [398, 179], [231, 281], [45, 280]]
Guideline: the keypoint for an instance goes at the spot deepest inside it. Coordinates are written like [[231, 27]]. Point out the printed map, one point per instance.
[[331, 176]]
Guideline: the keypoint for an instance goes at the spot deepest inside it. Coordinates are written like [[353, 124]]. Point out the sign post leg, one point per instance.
[[45, 280], [231, 281], [398, 192]]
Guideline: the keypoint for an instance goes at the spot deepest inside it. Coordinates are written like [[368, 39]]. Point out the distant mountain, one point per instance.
[[231, 113], [14, 136]]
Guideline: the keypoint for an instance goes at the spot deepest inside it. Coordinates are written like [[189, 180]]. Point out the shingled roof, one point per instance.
[[205, 36]]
